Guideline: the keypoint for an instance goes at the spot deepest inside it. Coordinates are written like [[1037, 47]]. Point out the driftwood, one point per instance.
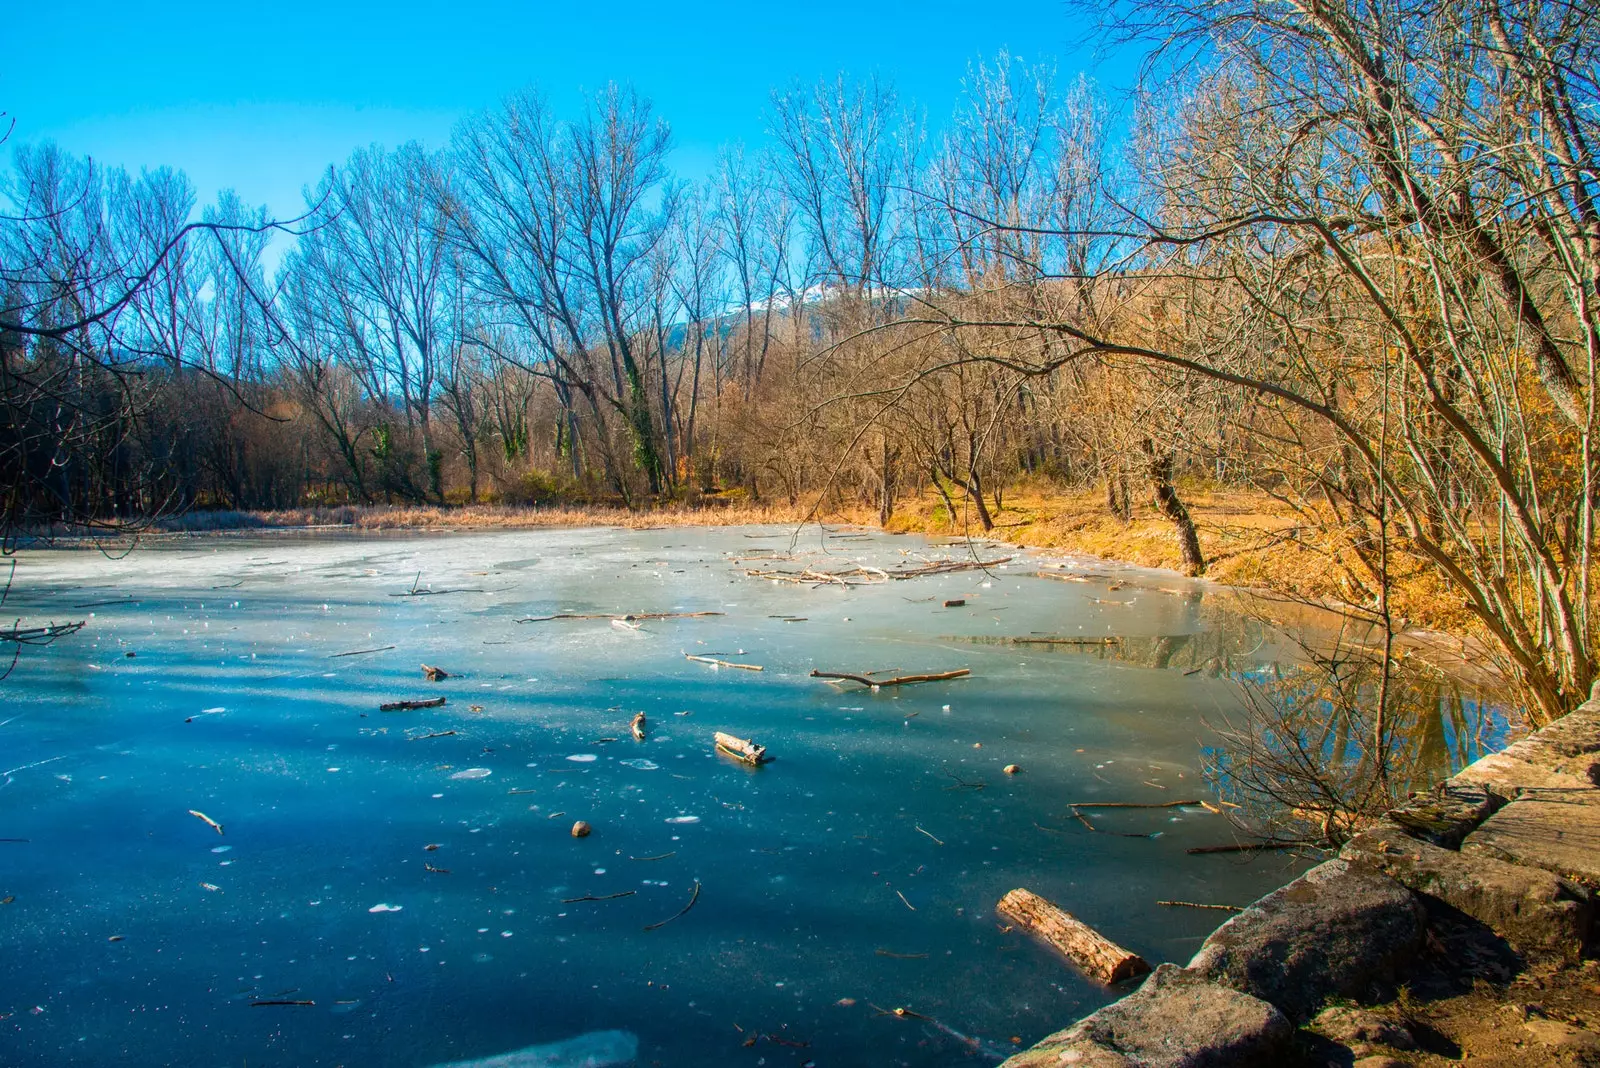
[[692, 899], [410, 706], [207, 820], [628, 617], [40, 635], [1136, 804], [899, 680], [637, 725], [1091, 951], [1197, 905], [361, 652], [741, 749], [956, 602], [714, 662], [434, 674], [1247, 847], [863, 575]]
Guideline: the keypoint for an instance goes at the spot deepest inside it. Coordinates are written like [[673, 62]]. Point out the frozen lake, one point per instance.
[[409, 875]]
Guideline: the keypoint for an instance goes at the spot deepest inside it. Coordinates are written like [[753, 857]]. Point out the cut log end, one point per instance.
[[1077, 941]]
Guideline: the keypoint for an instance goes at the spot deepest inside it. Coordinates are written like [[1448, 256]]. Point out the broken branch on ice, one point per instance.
[[899, 680], [207, 820], [692, 899], [626, 617], [714, 662], [410, 706]]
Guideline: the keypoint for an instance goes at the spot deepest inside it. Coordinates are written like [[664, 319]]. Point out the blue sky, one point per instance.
[[263, 97]]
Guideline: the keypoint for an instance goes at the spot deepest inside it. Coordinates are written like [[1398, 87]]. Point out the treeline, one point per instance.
[[1345, 255], [540, 308]]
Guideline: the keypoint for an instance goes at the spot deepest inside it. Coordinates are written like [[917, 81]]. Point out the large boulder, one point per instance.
[[1557, 830], [1533, 910], [1175, 1020], [1337, 931], [1563, 756]]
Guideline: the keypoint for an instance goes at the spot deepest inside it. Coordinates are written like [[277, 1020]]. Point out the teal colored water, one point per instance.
[[855, 874]]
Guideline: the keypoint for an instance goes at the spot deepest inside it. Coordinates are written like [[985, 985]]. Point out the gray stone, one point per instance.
[[1563, 756], [1534, 910], [1338, 930], [1551, 830], [1352, 1026], [1175, 1020], [1447, 814], [1558, 1035]]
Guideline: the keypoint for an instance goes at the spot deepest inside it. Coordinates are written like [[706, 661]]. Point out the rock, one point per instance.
[[1563, 756], [1447, 814], [1377, 1061], [1562, 1036], [1352, 1026], [1533, 910], [1338, 930], [581, 829], [1548, 831], [1011, 769], [1175, 1020]]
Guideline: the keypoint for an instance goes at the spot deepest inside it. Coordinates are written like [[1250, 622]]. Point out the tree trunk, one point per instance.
[[1168, 503]]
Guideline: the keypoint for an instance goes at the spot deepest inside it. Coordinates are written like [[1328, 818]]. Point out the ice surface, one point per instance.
[[597, 1049], [504, 929]]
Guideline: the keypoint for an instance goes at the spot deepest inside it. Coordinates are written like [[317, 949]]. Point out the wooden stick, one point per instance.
[[410, 706], [902, 680], [361, 652], [1249, 847], [714, 662], [1197, 905], [601, 897], [435, 734], [918, 826], [1136, 804], [278, 1001], [662, 856], [207, 820], [692, 899], [625, 616], [1091, 951]]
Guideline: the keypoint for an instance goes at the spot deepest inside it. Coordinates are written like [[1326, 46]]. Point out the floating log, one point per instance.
[[434, 674], [741, 749], [956, 602], [410, 706], [1091, 951], [714, 662], [637, 725], [899, 680]]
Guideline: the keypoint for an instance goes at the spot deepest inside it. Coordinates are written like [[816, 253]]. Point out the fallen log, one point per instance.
[[1079, 943], [899, 680], [741, 749], [410, 706]]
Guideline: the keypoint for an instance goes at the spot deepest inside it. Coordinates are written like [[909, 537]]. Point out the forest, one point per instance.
[[1345, 256]]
